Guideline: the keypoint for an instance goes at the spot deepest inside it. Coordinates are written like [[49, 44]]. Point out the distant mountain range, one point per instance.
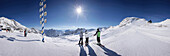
[[56, 33]]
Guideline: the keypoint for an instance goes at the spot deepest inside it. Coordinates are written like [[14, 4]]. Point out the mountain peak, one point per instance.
[[129, 20], [5, 22]]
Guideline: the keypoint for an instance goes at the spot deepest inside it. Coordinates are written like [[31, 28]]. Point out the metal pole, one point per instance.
[[43, 14]]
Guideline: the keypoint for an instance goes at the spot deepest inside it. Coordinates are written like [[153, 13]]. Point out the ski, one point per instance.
[[101, 45], [86, 45], [79, 44]]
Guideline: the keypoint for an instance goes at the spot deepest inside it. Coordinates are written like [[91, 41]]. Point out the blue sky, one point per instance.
[[96, 13]]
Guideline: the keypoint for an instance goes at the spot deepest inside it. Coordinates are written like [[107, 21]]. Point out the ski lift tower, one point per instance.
[[43, 16]]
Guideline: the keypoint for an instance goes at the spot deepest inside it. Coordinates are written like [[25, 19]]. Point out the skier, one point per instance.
[[87, 38], [25, 32], [81, 38], [98, 36]]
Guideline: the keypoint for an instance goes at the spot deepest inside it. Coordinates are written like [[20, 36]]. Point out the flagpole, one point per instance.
[[43, 15]]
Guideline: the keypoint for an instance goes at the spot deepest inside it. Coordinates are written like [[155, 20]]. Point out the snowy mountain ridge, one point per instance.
[[135, 21], [165, 22], [130, 20], [13, 25], [5, 22]]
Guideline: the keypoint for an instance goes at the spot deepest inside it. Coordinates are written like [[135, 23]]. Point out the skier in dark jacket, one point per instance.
[[25, 33], [98, 36]]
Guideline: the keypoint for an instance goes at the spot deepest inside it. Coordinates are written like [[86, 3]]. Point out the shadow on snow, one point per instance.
[[82, 51], [14, 39], [91, 51], [109, 52]]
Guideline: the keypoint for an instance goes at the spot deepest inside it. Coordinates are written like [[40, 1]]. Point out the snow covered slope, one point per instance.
[[5, 22], [138, 38], [166, 22], [132, 37]]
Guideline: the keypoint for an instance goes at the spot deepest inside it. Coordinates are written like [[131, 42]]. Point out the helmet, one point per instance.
[[97, 29]]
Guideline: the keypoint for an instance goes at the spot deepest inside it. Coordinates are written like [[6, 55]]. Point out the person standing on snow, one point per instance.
[[25, 33], [87, 38], [81, 38], [98, 36]]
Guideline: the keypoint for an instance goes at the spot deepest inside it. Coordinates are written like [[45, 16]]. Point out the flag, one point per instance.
[[40, 15], [45, 6], [45, 13], [44, 0], [41, 3], [45, 21]]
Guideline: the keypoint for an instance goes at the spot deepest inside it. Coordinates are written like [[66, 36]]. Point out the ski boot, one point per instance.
[[43, 40]]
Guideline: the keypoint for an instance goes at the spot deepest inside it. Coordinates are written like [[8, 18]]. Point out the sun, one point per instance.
[[79, 10]]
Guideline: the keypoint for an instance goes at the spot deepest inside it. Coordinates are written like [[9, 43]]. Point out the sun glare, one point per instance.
[[79, 10]]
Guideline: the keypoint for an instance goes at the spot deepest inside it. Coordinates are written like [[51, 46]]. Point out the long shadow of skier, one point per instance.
[[91, 51], [3, 36], [14, 39], [82, 52], [110, 52]]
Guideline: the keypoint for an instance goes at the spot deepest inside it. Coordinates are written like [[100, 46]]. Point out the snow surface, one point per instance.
[[132, 37]]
